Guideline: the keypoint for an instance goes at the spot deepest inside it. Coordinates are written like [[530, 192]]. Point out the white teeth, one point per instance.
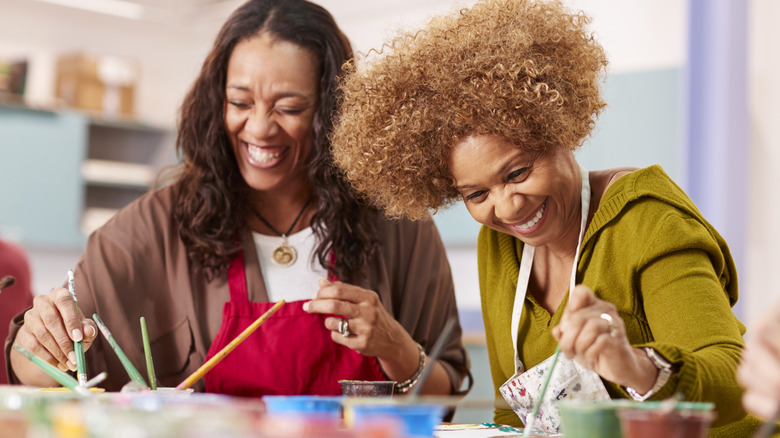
[[258, 154], [533, 221]]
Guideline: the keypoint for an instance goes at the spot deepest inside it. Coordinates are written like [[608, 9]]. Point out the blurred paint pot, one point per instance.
[[173, 391], [651, 420], [590, 419], [417, 420], [367, 388], [310, 407]]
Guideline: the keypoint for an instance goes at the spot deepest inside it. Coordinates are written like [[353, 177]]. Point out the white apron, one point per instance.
[[570, 380]]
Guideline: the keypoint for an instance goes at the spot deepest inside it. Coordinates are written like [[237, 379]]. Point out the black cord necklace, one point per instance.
[[284, 254]]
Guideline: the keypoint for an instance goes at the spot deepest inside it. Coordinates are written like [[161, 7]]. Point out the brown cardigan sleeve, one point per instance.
[[413, 278]]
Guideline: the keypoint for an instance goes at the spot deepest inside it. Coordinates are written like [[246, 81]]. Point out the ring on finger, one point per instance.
[[344, 327], [611, 330]]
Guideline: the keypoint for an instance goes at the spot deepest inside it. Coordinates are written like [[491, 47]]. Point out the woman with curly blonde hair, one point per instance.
[[616, 267]]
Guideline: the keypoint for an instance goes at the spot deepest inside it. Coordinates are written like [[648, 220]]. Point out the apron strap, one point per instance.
[[526, 261], [237, 279]]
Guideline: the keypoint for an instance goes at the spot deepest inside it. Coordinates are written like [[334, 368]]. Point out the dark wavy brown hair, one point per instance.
[[527, 71], [212, 195]]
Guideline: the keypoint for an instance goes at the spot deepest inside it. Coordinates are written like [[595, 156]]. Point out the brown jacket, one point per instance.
[[136, 265]]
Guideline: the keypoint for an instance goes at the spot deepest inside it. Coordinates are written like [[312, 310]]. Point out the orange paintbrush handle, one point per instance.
[[194, 377]]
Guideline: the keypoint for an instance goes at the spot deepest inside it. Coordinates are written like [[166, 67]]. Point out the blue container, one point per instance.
[[310, 406], [418, 420]]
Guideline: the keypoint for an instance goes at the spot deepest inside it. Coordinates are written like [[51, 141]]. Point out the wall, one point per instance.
[[759, 287]]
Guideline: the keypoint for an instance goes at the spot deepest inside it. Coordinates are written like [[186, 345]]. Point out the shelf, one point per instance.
[[101, 166], [117, 173], [128, 124]]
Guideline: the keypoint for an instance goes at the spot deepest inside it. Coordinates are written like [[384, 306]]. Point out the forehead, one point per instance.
[[479, 155], [262, 61], [487, 147]]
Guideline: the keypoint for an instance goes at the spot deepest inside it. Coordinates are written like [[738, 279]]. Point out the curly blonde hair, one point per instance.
[[527, 71]]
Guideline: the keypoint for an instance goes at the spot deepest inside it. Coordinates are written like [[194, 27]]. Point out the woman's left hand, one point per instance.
[[372, 331], [592, 333]]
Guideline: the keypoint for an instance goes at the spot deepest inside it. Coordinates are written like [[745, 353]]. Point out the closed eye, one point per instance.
[[517, 174], [238, 104], [476, 196], [290, 111]]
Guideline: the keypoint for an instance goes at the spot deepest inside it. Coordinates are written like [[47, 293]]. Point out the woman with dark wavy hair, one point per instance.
[[258, 214]]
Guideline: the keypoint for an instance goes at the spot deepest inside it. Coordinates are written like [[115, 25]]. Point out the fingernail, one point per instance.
[[77, 336], [89, 331], [306, 306], [62, 367], [71, 366], [72, 357]]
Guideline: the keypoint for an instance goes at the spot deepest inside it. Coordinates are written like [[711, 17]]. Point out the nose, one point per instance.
[[260, 124], [507, 204]]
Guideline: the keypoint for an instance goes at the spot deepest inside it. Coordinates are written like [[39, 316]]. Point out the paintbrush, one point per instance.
[[529, 419], [148, 354], [200, 372], [7, 282], [78, 346], [63, 378], [438, 346], [135, 376], [97, 379]]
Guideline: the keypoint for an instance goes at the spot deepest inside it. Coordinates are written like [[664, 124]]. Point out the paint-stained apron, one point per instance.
[[291, 353]]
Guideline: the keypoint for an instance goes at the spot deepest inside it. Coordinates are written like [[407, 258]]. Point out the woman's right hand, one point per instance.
[[49, 330]]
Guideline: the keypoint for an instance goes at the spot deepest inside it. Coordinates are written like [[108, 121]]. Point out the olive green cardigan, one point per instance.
[[650, 252]]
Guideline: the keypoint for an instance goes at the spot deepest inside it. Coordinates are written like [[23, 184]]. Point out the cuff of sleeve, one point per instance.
[[682, 377], [13, 329]]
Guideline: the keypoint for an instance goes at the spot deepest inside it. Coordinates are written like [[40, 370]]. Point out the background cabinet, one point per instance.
[[64, 173]]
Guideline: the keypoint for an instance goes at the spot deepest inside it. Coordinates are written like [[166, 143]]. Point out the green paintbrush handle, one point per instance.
[[63, 378], [81, 366], [78, 347], [540, 397], [131, 370], [148, 354]]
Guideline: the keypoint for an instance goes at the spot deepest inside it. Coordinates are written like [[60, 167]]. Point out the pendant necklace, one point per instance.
[[284, 254]]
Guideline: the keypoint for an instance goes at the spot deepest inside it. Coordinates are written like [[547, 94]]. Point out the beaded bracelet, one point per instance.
[[406, 385]]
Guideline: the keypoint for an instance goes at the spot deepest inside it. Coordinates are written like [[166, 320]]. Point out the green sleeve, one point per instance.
[[682, 283]]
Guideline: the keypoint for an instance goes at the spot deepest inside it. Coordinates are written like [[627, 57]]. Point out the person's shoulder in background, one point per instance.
[[17, 297]]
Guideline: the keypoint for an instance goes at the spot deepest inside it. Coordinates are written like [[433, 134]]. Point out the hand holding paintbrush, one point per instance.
[[592, 333], [49, 331]]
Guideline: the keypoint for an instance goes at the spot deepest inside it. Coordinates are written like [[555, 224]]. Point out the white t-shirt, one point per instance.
[[297, 281]]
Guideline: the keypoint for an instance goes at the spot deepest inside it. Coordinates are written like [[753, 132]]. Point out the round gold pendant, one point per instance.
[[284, 255]]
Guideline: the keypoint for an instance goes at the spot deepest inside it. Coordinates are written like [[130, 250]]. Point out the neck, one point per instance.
[[280, 209]]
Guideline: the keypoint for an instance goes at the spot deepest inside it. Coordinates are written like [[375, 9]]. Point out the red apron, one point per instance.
[[291, 353]]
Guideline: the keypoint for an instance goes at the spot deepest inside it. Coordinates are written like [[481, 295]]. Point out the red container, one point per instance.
[[654, 423]]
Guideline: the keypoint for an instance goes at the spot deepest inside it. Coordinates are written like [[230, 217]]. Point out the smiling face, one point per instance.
[[513, 191], [271, 92]]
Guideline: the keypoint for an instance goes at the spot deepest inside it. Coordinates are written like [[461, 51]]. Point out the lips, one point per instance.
[[530, 225]]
